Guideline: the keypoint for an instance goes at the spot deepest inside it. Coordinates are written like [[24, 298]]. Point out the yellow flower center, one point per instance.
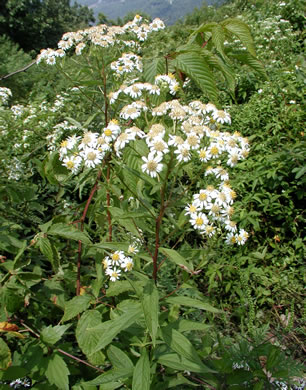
[[199, 221], [202, 196], [70, 164], [115, 257], [108, 132], [152, 165], [91, 156]]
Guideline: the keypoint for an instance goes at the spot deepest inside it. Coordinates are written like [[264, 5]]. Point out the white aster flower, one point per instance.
[[92, 157], [152, 164], [199, 221]]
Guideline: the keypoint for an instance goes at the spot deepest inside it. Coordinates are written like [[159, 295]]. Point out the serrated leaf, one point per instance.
[[191, 302], [57, 372], [106, 331], [181, 345], [52, 334], [152, 68], [5, 355], [110, 376], [68, 232], [141, 376], [87, 340], [50, 252], [177, 362], [251, 61], [76, 306], [118, 287], [242, 31], [119, 359], [175, 257], [116, 246], [187, 325], [198, 70], [150, 307], [218, 38]]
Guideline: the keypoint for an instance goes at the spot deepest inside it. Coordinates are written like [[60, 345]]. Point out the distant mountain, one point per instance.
[[168, 10]]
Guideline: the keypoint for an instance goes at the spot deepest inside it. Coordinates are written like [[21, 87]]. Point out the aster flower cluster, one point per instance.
[[103, 36], [5, 94], [117, 262]]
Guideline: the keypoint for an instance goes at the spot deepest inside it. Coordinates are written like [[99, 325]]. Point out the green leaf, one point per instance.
[[119, 359], [68, 232], [152, 68], [198, 70], [180, 344], [218, 38], [252, 62], [57, 372], [116, 246], [14, 372], [187, 325], [5, 355], [141, 376], [191, 302], [242, 31], [105, 332], [52, 334], [110, 376], [175, 257], [118, 287], [87, 340], [75, 306], [150, 307], [50, 252], [180, 363]]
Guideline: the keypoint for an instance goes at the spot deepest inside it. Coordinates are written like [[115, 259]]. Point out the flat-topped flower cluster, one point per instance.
[[104, 36], [165, 134]]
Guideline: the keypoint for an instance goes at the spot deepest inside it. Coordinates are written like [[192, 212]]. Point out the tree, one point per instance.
[[35, 24]]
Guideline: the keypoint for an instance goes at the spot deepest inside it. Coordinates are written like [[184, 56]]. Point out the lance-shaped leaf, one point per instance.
[[198, 70], [181, 345], [52, 334], [141, 376], [154, 67], [105, 332], [218, 38], [252, 62], [87, 341], [57, 372], [109, 377], [177, 362], [175, 257], [75, 306], [119, 359], [68, 232], [150, 307], [50, 252], [242, 31], [191, 302], [5, 355]]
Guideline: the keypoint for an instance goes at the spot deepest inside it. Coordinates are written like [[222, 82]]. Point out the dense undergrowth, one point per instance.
[[218, 316]]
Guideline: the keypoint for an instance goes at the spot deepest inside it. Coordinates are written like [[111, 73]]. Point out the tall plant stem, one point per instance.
[[81, 221], [108, 199], [163, 206]]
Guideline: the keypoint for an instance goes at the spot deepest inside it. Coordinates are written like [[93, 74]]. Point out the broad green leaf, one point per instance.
[[187, 325], [141, 375], [191, 302], [175, 257], [5, 355], [181, 345], [105, 332], [198, 70], [68, 232], [150, 307], [118, 287], [119, 359], [75, 306], [57, 372], [180, 363], [251, 61], [154, 67], [52, 334], [50, 252], [20, 253], [116, 246], [13, 372], [205, 27], [242, 32], [87, 341], [218, 38], [110, 376]]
